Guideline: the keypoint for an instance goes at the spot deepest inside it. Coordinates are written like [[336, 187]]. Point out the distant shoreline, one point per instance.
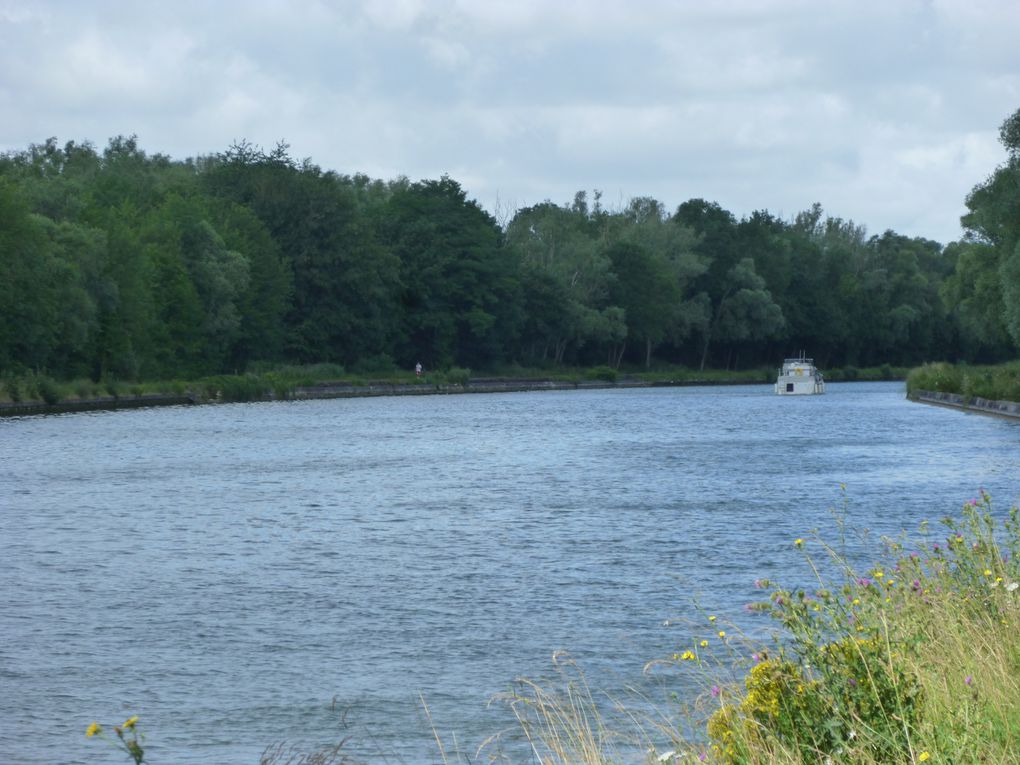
[[369, 390], [347, 390]]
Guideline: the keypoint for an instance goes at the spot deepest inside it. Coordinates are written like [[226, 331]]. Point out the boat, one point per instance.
[[799, 377]]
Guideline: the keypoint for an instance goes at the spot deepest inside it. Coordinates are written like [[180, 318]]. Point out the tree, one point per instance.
[[458, 293]]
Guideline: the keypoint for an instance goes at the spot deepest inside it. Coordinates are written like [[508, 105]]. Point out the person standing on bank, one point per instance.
[[417, 369]]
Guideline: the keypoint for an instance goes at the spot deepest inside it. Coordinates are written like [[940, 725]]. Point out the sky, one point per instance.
[[885, 112]]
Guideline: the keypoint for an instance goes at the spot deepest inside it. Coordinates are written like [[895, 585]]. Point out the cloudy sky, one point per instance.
[[884, 111]]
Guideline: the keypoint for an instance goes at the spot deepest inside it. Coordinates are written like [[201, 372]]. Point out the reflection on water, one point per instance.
[[230, 573]]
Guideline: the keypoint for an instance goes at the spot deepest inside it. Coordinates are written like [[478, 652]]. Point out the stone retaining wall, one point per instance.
[[1008, 409]]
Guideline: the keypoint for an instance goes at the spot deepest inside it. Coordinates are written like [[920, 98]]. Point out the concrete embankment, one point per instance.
[[1007, 409]]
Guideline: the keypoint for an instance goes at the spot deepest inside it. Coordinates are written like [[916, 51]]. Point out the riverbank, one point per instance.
[[44, 396], [977, 405], [343, 390]]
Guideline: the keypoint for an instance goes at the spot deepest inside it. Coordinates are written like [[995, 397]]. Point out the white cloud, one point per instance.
[[884, 112]]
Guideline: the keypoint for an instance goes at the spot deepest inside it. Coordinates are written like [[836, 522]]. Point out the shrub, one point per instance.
[[457, 376], [235, 388], [604, 373], [48, 389], [15, 387]]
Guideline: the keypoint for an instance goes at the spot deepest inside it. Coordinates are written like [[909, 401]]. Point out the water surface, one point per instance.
[[239, 575]]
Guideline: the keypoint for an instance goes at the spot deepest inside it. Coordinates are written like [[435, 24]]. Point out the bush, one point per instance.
[[84, 389], [604, 373], [457, 376], [48, 389], [15, 388], [235, 388]]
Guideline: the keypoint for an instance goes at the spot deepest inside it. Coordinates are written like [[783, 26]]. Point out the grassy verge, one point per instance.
[[280, 381], [997, 383]]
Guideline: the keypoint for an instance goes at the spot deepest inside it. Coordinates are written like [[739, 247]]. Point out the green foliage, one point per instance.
[[607, 374], [884, 666], [47, 389], [236, 388], [120, 264], [998, 383], [379, 364], [14, 387], [457, 375], [112, 387]]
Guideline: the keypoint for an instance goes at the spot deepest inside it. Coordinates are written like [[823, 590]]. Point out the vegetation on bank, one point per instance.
[[995, 383], [281, 381], [914, 659], [117, 264]]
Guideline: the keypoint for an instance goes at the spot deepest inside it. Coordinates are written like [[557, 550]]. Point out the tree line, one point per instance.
[[117, 264]]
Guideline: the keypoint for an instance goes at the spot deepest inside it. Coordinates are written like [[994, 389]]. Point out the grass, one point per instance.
[[915, 659], [280, 380], [997, 383]]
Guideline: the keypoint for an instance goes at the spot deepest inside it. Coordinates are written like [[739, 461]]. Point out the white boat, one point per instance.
[[799, 377]]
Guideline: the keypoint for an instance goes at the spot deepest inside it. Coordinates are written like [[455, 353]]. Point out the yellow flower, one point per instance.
[[703, 644], [687, 656], [93, 729], [988, 572], [722, 633], [857, 601], [923, 757], [879, 574], [711, 618], [130, 722], [798, 542]]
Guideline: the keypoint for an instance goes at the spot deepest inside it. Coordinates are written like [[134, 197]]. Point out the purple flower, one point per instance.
[[917, 584], [936, 547], [716, 690], [853, 683], [702, 757], [968, 680], [864, 582]]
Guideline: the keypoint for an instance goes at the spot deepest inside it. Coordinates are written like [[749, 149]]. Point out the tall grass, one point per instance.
[[915, 659], [997, 383]]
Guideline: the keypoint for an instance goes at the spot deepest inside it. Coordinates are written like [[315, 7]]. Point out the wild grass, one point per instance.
[[997, 383], [915, 659]]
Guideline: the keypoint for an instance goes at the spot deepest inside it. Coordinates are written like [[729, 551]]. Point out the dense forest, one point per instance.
[[116, 264]]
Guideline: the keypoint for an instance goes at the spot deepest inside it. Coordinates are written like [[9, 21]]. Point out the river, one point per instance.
[[248, 574]]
